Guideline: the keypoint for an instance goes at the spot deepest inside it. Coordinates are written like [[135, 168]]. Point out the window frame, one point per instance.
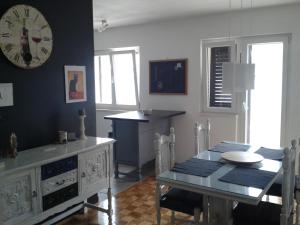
[[114, 105], [205, 65]]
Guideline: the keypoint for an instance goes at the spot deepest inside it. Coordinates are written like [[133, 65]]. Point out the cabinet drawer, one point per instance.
[[58, 182], [59, 167]]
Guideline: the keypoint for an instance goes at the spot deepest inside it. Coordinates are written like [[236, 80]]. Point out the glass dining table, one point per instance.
[[223, 184]]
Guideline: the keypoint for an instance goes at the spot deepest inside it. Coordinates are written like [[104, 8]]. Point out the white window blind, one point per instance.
[[218, 55]]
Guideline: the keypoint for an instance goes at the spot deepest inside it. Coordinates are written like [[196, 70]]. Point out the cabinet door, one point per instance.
[[17, 197], [95, 170]]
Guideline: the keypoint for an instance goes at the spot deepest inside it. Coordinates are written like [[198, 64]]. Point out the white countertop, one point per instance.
[[45, 154]]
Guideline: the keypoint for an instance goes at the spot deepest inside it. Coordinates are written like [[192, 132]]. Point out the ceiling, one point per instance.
[[129, 12]]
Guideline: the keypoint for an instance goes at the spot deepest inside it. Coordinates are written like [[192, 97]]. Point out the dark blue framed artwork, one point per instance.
[[168, 76]]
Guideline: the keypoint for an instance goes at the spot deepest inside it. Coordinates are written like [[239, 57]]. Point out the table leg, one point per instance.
[[205, 210], [220, 211], [158, 203], [116, 170], [110, 212], [140, 173]]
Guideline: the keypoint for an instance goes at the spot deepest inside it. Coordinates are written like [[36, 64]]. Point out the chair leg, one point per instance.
[[158, 203], [283, 219], [197, 216], [297, 207], [173, 217]]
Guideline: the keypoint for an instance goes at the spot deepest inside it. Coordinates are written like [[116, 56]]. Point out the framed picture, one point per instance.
[[75, 84], [168, 76], [6, 94]]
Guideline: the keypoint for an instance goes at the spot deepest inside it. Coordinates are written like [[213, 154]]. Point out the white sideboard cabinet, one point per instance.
[[54, 181]]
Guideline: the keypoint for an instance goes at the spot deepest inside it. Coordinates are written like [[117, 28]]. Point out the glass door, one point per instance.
[[265, 105]]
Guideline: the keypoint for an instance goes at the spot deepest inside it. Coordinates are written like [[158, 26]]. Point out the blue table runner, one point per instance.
[[197, 167], [248, 177], [228, 147], [274, 154]]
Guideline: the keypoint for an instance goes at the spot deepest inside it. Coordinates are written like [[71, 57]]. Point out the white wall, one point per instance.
[[181, 39]]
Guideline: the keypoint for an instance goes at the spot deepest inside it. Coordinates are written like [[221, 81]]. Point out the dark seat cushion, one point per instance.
[[182, 201], [275, 189], [265, 213]]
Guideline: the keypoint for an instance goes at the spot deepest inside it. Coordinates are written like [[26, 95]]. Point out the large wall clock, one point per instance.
[[25, 36]]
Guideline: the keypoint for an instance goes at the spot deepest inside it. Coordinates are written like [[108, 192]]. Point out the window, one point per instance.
[[214, 55], [116, 81]]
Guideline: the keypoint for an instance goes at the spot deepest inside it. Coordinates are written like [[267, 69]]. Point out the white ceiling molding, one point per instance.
[[129, 12]]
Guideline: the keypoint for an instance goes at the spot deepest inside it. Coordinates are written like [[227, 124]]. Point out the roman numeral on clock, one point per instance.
[[17, 57], [43, 27], [9, 22], [46, 39], [16, 13], [36, 17], [44, 50], [26, 12], [5, 35], [8, 47]]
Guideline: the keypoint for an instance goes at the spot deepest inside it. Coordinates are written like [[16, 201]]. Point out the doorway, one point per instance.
[[265, 105]]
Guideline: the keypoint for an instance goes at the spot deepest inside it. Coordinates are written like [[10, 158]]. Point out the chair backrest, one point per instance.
[[202, 136], [165, 152], [288, 183]]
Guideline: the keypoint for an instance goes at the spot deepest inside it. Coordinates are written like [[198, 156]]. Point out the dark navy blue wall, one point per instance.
[[39, 109]]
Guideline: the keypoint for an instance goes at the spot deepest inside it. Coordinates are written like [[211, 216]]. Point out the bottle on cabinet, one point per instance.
[[13, 145]]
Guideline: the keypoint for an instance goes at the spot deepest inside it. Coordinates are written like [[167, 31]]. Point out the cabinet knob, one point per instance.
[[58, 183], [83, 174]]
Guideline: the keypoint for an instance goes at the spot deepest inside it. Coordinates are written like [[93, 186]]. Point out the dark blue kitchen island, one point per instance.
[[134, 132]]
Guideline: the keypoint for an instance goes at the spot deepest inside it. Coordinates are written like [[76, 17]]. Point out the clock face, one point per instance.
[[25, 36]]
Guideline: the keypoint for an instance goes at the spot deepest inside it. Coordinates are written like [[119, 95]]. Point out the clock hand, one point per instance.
[[25, 51]]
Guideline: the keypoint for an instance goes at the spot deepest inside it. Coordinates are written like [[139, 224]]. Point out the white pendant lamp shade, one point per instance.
[[237, 77]]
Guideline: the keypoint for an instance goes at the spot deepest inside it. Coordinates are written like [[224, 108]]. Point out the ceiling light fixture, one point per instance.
[[101, 25], [237, 77]]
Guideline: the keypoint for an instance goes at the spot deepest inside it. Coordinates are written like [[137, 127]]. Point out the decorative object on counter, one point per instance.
[[72, 136], [75, 84], [146, 111], [82, 116], [26, 37], [13, 145], [168, 76], [6, 94], [62, 137], [81, 112]]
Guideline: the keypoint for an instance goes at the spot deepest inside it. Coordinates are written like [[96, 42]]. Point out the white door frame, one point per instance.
[[244, 58]]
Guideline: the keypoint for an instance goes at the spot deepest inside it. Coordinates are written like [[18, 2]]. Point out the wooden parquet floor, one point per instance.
[[135, 206]]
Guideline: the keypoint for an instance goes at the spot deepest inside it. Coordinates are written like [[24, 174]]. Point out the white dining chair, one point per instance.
[[267, 213], [177, 200], [276, 190], [202, 136]]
